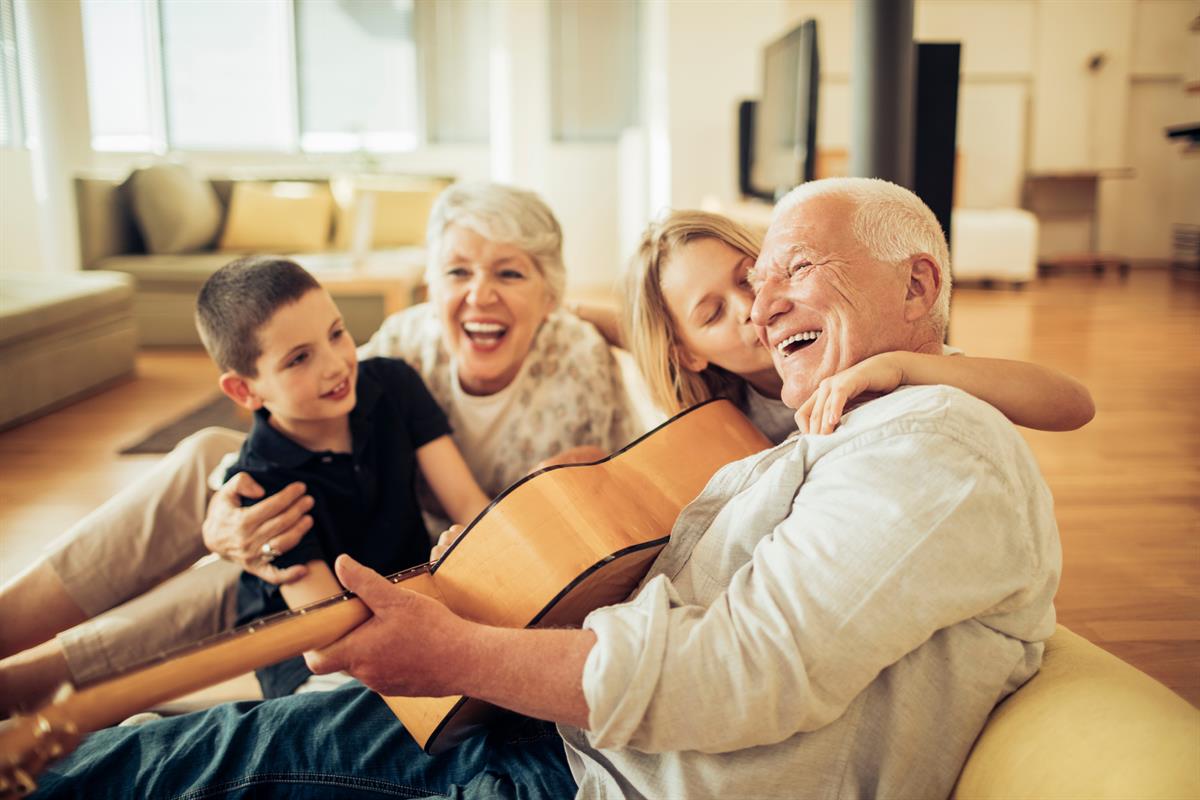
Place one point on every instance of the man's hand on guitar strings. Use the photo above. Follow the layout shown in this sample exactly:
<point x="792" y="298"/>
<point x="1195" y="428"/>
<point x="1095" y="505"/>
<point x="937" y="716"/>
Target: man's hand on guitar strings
<point x="406" y="649"/>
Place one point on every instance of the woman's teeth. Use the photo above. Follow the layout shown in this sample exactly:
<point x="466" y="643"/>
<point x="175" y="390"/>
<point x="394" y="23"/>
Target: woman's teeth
<point x="484" y="330"/>
<point x="800" y="340"/>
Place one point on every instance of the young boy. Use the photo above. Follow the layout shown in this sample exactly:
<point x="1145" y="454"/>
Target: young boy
<point x="354" y="434"/>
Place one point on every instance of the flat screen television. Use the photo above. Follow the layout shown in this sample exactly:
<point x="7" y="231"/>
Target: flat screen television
<point x="785" y="124"/>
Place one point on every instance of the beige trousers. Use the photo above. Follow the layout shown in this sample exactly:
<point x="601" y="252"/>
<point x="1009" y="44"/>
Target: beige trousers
<point x="137" y="566"/>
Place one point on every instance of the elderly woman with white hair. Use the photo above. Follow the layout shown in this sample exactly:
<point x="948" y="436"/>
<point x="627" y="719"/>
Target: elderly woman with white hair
<point x="523" y="382"/>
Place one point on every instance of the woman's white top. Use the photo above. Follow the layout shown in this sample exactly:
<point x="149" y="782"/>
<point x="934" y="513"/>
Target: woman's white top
<point x="567" y="393"/>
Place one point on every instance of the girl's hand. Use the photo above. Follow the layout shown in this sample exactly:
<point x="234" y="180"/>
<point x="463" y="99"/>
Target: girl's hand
<point x="448" y="537"/>
<point x="237" y="533"/>
<point x="822" y="411"/>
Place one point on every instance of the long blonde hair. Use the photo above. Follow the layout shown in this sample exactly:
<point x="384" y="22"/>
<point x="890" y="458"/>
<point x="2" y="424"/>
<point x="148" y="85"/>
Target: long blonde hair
<point x="648" y="326"/>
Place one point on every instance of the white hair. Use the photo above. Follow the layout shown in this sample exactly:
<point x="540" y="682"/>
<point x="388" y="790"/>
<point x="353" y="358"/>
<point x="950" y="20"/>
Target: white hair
<point x="891" y="222"/>
<point x="501" y="214"/>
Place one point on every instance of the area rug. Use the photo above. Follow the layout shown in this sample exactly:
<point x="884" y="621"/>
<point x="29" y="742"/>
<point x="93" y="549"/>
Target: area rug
<point x="217" y="411"/>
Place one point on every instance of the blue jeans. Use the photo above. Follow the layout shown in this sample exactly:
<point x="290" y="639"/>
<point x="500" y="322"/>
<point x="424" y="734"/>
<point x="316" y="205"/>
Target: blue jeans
<point x="344" y="743"/>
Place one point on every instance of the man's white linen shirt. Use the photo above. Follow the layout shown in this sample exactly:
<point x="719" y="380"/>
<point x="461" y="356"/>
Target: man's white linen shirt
<point x="834" y="617"/>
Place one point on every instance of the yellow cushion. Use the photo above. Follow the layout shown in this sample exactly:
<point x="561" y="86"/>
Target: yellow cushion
<point x="399" y="212"/>
<point x="280" y="217"/>
<point x="1088" y="725"/>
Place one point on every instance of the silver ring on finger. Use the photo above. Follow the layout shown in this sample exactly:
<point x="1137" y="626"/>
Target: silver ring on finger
<point x="269" y="553"/>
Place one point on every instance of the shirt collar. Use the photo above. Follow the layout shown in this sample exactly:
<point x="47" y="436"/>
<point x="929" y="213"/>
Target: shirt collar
<point x="276" y="448"/>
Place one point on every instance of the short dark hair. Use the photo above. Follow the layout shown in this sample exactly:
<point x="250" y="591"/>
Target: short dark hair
<point x="241" y="297"/>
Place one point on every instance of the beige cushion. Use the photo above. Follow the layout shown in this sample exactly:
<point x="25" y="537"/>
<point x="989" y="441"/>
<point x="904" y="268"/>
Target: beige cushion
<point x="175" y="211"/>
<point x="33" y="303"/>
<point x="106" y="224"/>
<point x="61" y="334"/>
<point x="399" y="211"/>
<point x="281" y="217"/>
<point x="1088" y="725"/>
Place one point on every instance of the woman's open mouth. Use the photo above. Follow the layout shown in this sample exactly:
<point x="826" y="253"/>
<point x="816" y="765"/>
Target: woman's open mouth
<point x="797" y="342"/>
<point x="486" y="335"/>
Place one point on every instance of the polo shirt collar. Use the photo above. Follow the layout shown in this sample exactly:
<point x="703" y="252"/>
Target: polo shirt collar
<point x="276" y="448"/>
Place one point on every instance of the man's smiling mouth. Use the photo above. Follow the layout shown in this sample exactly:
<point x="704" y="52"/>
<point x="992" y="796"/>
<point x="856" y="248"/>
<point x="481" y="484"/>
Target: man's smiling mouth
<point x="797" y="342"/>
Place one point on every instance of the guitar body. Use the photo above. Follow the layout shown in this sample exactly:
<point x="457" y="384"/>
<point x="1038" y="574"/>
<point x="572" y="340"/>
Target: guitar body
<point x="570" y="539"/>
<point x="550" y="549"/>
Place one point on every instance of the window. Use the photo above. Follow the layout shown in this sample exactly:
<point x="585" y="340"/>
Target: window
<point x="226" y="75"/>
<point x="357" y="69"/>
<point x="12" y="133"/>
<point x="455" y="38"/>
<point x="594" y="68"/>
<point x="121" y="55"/>
<point x="269" y="75"/>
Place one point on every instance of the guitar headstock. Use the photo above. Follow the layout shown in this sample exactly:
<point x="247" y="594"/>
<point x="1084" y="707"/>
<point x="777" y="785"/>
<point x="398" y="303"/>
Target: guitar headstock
<point x="27" y="744"/>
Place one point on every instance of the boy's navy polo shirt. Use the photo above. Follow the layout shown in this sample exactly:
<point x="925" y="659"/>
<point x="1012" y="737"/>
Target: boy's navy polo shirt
<point x="364" y="502"/>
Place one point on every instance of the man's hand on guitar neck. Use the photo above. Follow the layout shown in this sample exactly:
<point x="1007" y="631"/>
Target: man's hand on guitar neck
<point x="414" y="646"/>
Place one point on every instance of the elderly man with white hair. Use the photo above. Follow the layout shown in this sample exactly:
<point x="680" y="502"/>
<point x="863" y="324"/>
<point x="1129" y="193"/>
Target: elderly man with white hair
<point x="833" y="617"/>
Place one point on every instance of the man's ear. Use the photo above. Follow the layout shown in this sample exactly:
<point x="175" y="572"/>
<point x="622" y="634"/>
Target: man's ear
<point x="239" y="390"/>
<point x="924" y="283"/>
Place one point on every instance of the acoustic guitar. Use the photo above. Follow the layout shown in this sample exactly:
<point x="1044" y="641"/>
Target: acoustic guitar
<point x="552" y="547"/>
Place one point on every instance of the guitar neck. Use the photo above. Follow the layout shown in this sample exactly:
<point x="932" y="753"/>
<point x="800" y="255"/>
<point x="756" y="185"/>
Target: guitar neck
<point x="219" y="658"/>
<point x="549" y="549"/>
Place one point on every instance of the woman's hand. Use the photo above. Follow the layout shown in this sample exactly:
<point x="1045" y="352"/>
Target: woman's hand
<point x="583" y="454"/>
<point x="822" y="411"/>
<point x="237" y="533"/>
<point x="448" y="537"/>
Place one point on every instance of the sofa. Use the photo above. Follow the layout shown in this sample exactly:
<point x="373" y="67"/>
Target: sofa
<point x="169" y="229"/>
<point x="62" y="336"/>
<point x="1087" y="726"/>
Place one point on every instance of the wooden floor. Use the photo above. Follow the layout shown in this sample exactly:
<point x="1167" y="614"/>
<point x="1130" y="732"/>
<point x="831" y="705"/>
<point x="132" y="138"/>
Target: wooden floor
<point x="1127" y="486"/>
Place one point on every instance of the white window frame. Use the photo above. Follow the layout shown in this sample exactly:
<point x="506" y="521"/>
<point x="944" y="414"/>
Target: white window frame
<point x="158" y="141"/>
<point x="10" y="53"/>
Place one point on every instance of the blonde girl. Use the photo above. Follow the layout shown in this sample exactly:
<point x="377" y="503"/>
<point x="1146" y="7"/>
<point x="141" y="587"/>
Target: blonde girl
<point x="686" y="319"/>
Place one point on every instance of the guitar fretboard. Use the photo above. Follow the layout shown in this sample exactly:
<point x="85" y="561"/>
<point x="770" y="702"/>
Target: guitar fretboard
<point x="256" y="626"/>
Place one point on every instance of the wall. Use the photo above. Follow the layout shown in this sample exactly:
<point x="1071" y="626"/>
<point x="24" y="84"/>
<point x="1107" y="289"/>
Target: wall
<point x="1138" y="212"/>
<point x="1025" y="101"/>
<point x="38" y="226"/>
<point x="713" y="61"/>
<point x="20" y="245"/>
<point x="1028" y="102"/>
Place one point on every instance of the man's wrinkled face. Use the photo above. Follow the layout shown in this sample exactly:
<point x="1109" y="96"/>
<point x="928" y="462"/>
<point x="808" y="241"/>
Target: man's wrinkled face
<point x="823" y="303"/>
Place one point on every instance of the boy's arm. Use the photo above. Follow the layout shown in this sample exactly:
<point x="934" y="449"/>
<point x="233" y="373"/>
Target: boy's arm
<point x="317" y="584"/>
<point x="451" y="480"/>
<point x="1028" y="394"/>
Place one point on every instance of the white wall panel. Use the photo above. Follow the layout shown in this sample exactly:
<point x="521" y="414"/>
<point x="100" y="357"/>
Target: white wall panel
<point x="1080" y="114"/>
<point x="1139" y="211"/>
<point x="996" y="38"/>
<point x="1162" y="44"/>
<point x="991" y="144"/>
